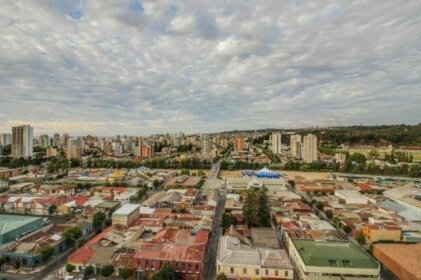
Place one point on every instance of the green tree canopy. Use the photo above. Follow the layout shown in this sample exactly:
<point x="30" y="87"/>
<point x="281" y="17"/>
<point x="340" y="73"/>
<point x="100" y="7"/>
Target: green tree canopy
<point x="69" y="268"/>
<point x="257" y="207"/>
<point x="73" y="233"/>
<point x="227" y="220"/>
<point x="98" y="219"/>
<point x="46" y="253"/>
<point x="125" y="272"/>
<point x="107" y="270"/>
<point x="89" y="271"/>
<point x="52" y="209"/>
<point x="165" y="273"/>
<point x="264" y="203"/>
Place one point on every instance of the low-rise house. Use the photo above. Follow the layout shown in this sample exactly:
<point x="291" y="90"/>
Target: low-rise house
<point x="183" y="250"/>
<point x="57" y="189"/>
<point x="27" y="250"/>
<point x="374" y="233"/>
<point x="241" y="261"/>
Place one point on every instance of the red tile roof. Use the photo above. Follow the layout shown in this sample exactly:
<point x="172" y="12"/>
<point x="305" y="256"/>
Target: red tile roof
<point x="161" y="212"/>
<point x="83" y="254"/>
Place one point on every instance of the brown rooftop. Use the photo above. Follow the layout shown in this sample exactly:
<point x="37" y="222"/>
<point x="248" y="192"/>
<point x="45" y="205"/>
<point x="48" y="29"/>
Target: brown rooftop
<point x="402" y="259"/>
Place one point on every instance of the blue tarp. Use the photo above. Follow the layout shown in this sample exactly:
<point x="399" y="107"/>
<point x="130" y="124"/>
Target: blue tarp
<point x="266" y="173"/>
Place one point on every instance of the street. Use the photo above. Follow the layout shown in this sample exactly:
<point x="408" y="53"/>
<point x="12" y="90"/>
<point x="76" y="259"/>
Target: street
<point x="209" y="266"/>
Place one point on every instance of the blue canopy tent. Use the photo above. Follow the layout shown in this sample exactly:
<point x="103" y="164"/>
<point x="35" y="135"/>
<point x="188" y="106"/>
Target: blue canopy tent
<point x="266" y="173"/>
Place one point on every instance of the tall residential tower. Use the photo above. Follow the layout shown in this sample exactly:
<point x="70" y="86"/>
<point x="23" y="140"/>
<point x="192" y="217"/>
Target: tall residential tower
<point x="309" y="148"/>
<point x="22" y="137"/>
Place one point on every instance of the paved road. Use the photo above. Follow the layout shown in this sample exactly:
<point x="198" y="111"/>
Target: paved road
<point x="213" y="174"/>
<point x="209" y="267"/>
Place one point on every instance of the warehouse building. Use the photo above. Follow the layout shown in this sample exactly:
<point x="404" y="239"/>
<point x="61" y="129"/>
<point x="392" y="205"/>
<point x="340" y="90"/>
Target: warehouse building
<point x="13" y="225"/>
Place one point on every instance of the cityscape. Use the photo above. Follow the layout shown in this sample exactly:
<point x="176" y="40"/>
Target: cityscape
<point x="210" y="140"/>
<point x="281" y="204"/>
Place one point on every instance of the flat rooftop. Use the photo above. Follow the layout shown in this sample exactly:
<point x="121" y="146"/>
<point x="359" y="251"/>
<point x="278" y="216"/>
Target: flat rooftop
<point x="402" y="259"/>
<point x="126" y="209"/>
<point x="108" y="204"/>
<point x="333" y="254"/>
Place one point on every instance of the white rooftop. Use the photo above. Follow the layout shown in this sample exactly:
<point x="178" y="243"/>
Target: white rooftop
<point x="127" y="209"/>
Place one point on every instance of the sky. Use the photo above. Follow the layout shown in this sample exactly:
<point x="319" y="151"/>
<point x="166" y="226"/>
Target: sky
<point x="138" y="67"/>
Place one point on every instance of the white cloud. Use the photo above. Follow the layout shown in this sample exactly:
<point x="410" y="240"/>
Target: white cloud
<point x="138" y="67"/>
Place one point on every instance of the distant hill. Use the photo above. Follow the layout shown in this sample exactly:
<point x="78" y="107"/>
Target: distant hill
<point x="378" y="135"/>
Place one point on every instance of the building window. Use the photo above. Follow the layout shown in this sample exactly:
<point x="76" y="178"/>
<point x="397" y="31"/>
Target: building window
<point x="244" y="270"/>
<point x="219" y="267"/>
<point x="286" y="273"/>
<point x="197" y="267"/>
<point x="267" y="272"/>
<point x="232" y="270"/>
<point x="333" y="263"/>
<point x="276" y="272"/>
<point x="146" y="263"/>
<point x="257" y="271"/>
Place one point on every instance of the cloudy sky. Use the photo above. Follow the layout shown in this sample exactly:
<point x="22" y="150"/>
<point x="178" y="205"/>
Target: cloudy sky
<point x="137" y="67"/>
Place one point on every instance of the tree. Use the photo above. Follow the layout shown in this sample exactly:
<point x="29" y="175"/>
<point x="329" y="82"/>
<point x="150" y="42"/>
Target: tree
<point x="156" y="184"/>
<point x="329" y="214"/>
<point x="221" y="276"/>
<point x="46" y="253"/>
<point x="200" y="173"/>
<point x="358" y="158"/>
<point x="108" y="222"/>
<point x="52" y="209"/>
<point x="257" y="207"/>
<point x="361" y="239"/>
<point x="107" y="270"/>
<point x="165" y="273"/>
<point x="347" y="229"/>
<point x="250" y="207"/>
<point x="336" y="221"/>
<point x="98" y="219"/>
<point x="133" y="199"/>
<point x="263" y="213"/>
<point x="319" y="205"/>
<point x="73" y="233"/>
<point x="125" y="273"/>
<point x="227" y="220"/>
<point x="69" y="268"/>
<point x="89" y="271"/>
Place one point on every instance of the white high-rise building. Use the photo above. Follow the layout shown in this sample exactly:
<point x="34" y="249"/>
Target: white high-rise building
<point x="22" y="141"/>
<point x="295" y="145"/>
<point x="276" y="143"/>
<point x="309" y="149"/>
<point x="5" y="139"/>
<point x="117" y="148"/>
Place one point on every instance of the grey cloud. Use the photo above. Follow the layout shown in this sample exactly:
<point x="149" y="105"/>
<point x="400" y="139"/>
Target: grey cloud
<point x="139" y="67"/>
